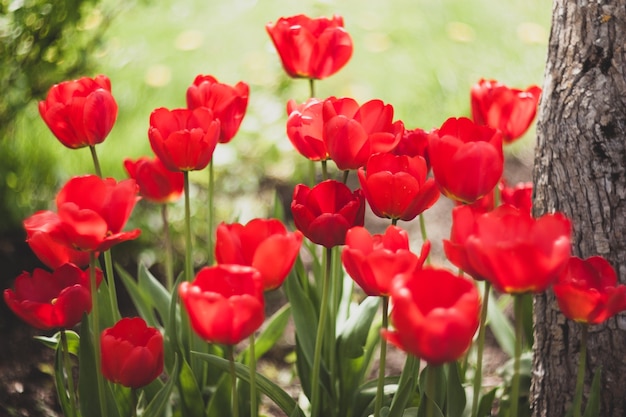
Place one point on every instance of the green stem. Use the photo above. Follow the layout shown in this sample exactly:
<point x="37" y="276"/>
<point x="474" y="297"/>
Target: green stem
<point x="312" y="87"/>
<point x="95" y="311"/>
<point x="108" y="266"/>
<point x="480" y="348"/>
<point x="96" y="162"/>
<point x="319" y="339"/>
<point x="211" y="220"/>
<point x="233" y="376"/>
<point x="346" y="174"/>
<point x="519" y="333"/>
<point x="68" y="373"/>
<point x="383" y="360"/>
<point x="580" y="379"/>
<point x="188" y="248"/>
<point x="431" y="388"/>
<point x="254" y="408"/>
<point x="169" y="252"/>
<point x="133" y="402"/>
<point x="324" y="170"/>
<point x="424" y="234"/>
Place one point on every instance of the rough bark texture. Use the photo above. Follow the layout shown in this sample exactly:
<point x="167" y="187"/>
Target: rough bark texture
<point x="580" y="169"/>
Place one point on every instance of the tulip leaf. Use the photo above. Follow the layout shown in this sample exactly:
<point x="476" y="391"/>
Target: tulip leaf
<point x="73" y="341"/>
<point x="190" y="392"/>
<point x="88" y="373"/>
<point x="141" y="299"/>
<point x="486" y="403"/>
<point x="456" y="400"/>
<point x="593" y="402"/>
<point x="162" y="397"/>
<point x="156" y="292"/>
<point x="303" y="311"/>
<point x="501" y="327"/>
<point x="267" y="387"/>
<point x="62" y="392"/>
<point x="220" y="398"/>
<point x="365" y="397"/>
<point x="270" y="335"/>
<point x="353" y="336"/>
<point x="407" y="386"/>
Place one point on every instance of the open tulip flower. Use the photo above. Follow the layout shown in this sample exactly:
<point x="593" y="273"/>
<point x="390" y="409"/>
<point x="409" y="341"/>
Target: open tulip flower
<point x="414" y="142"/>
<point x="80" y="112"/>
<point x="510" y="110"/>
<point x="224" y="302"/>
<point x="49" y="251"/>
<point x="263" y="244"/>
<point x="325" y="212"/>
<point x="227" y="102"/>
<point x="517" y="253"/>
<point x="435" y="314"/>
<point x="396" y="186"/>
<point x="54" y="300"/>
<point x="183" y="139"/>
<point x="132" y="353"/>
<point x="305" y="129"/>
<point x="312" y="48"/>
<point x="353" y="133"/>
<point x="156" y="183"/>
<point x="373" y="261"/>
<point x="466" y="159"/>
<point x="92" y="212"/>
<point x="588" y="292"/>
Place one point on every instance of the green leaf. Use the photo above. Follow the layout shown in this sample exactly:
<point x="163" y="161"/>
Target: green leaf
<point x="220" y="399"/>
<point x="62" y="393"/>
<point x="272" y="332"/>
<point x="501" y="326"/>
<point x="87" y="373"/>
<point x="162" y="397"/>
<point x="267" y="387"/>
<point x="455" y="401"/>
<point x="73" y="341"/>
<point x="141" y="299"/>
<point x="190" y="392"/>
<point x="486" y="403"/>
<point x="406" y="386"/>
<point x="353" y="336"/>
<point x="304" y="316"/>
<point x="160" y="297"/>
<point x="593" y="402"/>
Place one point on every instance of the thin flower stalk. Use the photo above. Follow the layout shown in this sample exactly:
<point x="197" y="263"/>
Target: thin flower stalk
<point x="480" y="346"/>
<point x="580" y="378"/>
<point x="519" y="333"/>
<point x="378" y="405"/>
<point x="95" y="316"/>
<point x="68" y="374"/>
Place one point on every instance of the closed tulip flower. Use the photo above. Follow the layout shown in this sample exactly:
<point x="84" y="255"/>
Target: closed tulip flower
<point x="80" y="112"/>
<point x="587" y="291"/>
<point x="517" y="253"/>
<point x="184" y="140"/>
<point x="353" y="133"/>
<point x="132" y="353"/>
<point x="466" y="159"/>
<point x="325" y="212"/>
<point x="435" y="314"/>
<point x="373" y="261"/>
<point x="54" y="300"/>
<point x="156" y="183"/>
<point x="510" y="110"/>
<point x="263" y="244"/>
<point x="224" y="302"/>
<point x="305" y="129"/>
<point x="93" y="211"/>
<point x="396" y="186"/>
<point x="227" y="102"/>
<point x="463" y="226"/>
<point x="311" y="47"/>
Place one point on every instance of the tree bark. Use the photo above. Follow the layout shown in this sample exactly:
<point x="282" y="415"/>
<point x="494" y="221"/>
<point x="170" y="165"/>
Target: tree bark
<point x="580" y="170"/>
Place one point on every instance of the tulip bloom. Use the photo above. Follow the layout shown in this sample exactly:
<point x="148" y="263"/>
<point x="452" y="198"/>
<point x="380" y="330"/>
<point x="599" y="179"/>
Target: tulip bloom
<point x="519" y="195"/>
<point x="156" y="183"/>
<point x="509" y="110"/>
<point x="325" y="212"/>
<point x="81" y="112"/>
<point x="353" y="133"/>
<point x="54" y="300"/>
<point x="132" y="353"/>
<point x="305" y="129"/>
<point x="463" y="226"/>
<point x="228" y="103"/>
<point x="466" y="159"/>
<point x="396" y="186"/>
<point x="374" y="261"/>
<point x="311" y="47"/>
<point x="435" y="314"/>
<point x="184" y="140"/>
<point x="414" y="142"/>
<point x="588" y="292"/>
<point x="53" y="254"/>
<point x="263" y="244"/>
<point x="518" y="253"/>
<point x="93" y="211"/>
<point x="224" y="302"/>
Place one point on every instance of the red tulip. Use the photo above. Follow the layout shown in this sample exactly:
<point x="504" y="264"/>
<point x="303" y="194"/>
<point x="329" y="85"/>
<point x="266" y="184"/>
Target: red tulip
<point x="132" y="353"/>
<point x="52" y="300"/>
<point x="466" y="159"/>
<point x="228" y="103"/>
<point x="92" y="213"/>
<point x="353" y="133"/>
<point x="325" y="212"/>
<point x="414" y="142"/>
<point x="435" y="314"/>
<point x="588" y="292"/>
<point x="53" y="254"/>
<point x="520" y="195"/>
<point x="374" y="261"/>
<point x="263" y="244"/>
<point x="81" y="112"/>
<point x="509" y="110"/>
<point x="184" y="140"/>
<point x="463" y="226"/>
<point x="156" y="183"/>
<point x="224" y="302"/>
<point x="305" y="129"/>
<point x="396" y="186"/>
<point x="311" y="47"/>
<point x="517" y="253"/>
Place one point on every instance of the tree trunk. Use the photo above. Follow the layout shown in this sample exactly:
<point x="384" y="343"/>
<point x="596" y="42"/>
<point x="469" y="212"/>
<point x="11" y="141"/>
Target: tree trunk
<point x="580" y="169"/>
